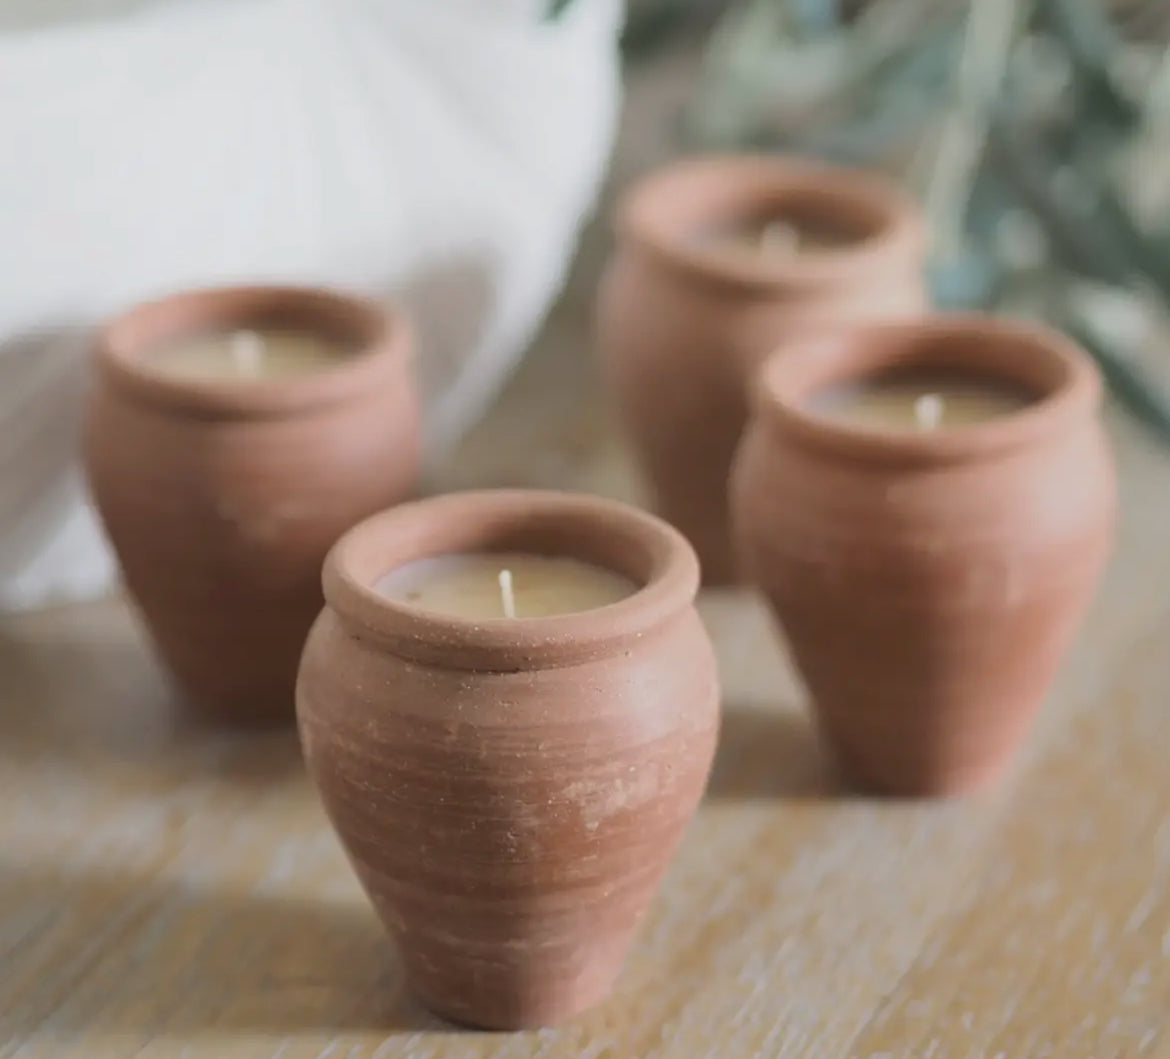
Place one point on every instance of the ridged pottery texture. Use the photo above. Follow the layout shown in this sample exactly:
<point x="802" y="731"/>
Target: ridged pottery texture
<point x="929" y="584"/>
<point x="510" y="792"/>
<point x="223" y="498"/>
<point x="682" y="327"/>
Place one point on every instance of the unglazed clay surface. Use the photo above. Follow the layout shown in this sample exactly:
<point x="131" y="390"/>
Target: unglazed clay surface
<point x="222" y="498"/>
<point x="682" y="326"/>
<point x="928" y="585"/>
<point x="511" y="792"/>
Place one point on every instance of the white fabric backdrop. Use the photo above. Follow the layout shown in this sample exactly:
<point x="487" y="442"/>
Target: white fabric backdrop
<point x="444" y="151"/>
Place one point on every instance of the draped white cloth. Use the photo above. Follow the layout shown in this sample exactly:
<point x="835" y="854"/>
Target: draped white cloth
<point x="441" y="151"/>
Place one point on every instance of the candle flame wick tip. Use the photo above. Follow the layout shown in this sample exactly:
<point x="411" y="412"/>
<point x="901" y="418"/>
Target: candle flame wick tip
<point x="928" y="411"/>
<point x="507" y="593"/>
<point x="247" y="349"/>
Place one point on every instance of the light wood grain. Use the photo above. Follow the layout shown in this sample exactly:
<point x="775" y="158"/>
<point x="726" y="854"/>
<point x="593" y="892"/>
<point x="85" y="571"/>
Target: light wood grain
<point x="167" y="891"/>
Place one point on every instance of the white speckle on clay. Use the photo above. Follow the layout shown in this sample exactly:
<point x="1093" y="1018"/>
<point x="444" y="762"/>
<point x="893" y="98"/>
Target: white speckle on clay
<point x="599" y="800"/>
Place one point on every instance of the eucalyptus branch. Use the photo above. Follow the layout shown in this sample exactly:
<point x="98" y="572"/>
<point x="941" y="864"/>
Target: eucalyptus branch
<point x="987" y="45"/>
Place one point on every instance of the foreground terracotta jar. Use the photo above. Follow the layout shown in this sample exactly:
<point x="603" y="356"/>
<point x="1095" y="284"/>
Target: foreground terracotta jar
<point x="510" y="791"/>
<point x="685" y="315"/>
<point x="222" y="496"/>
<point x="929" y="583"/>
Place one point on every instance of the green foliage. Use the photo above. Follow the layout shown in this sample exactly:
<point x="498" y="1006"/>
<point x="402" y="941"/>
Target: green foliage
<point x="1034" y="131"/>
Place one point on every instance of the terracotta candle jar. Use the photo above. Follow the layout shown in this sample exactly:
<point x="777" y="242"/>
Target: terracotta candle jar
<point x="233" y="436"/>
<point x="510" y="790"/>
<point x="929" y="578"/>
<point x="720" y="260"/>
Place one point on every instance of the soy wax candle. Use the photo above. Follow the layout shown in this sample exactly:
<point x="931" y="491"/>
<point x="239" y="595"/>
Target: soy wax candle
<point x="245" y="355"/>
<point x="779" y="238"/>
<point x="919" y="402"/>
<point x="505" y="585"/>
<point x="510" y="786"/>
<point x="233" y="435"/>
<point x="929" y="578"/>
<point x="720" y="260"/>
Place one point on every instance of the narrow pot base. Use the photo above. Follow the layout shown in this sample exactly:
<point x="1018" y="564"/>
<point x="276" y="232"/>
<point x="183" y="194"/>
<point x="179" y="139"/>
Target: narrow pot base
<point x="497" y="1010"/>
<point x="898" y="781"/>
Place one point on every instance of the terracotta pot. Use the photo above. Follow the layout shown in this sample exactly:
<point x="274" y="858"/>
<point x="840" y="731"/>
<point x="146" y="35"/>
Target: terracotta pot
<point x="682" y="326"/>
<point x="222" y="498"/>
<point x="929" y="584"/>
<point x="510" y="792"/>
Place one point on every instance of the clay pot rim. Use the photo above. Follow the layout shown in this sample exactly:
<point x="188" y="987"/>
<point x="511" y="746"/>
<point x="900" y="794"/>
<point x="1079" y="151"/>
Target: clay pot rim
<point x="640" y="545"/>
<point x="1031" y="356"/>
<point x="380" y="334"/>
<point x="651" y="216"/>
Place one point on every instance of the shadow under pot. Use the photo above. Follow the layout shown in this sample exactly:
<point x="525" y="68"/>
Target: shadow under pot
<point x="233" y="436"/>
<point x="928" y="508"/>
<point x="719" y="261"/>
<point x="509" y="707"/>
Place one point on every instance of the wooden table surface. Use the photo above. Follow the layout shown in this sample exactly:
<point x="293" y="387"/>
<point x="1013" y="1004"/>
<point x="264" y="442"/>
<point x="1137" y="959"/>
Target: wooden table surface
<point x="166" y="890"/>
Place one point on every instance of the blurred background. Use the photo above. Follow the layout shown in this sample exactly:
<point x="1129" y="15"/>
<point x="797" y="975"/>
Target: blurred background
<point x="1034" y="134"/>
<point x="460" y="156"/>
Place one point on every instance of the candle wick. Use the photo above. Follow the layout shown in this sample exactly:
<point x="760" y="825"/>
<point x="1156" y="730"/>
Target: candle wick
<point x="247" y="349"/>
<point x="928" y="411"/>
<point x="507" y="593"/>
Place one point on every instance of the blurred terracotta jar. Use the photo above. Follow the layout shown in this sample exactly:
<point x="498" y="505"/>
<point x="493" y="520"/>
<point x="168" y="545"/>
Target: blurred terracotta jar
<point x="719" y="261"/>
<point x="510" y="789"/>
<point x="233" y="436"/>
<point x="928" y="508"/>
